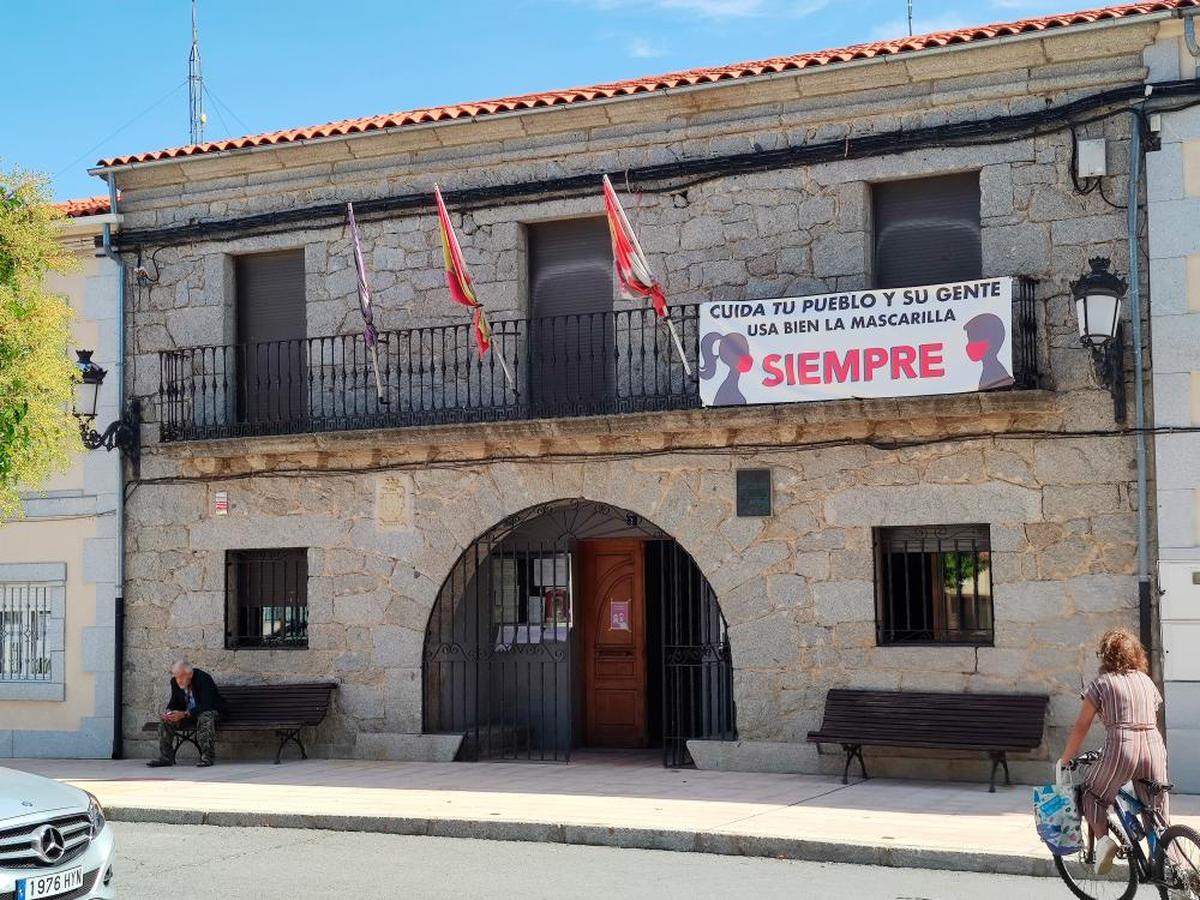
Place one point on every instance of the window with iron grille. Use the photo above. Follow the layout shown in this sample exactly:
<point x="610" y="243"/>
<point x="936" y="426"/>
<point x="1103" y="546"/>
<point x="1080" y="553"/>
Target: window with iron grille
<point x="26" y="610"/>
<point x="933" y="585"/>
<point x="266" y="598"/>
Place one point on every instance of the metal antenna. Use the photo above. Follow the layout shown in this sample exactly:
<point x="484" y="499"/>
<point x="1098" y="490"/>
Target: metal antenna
<point x="910" y="3"/>
<point x="196" y="85"/>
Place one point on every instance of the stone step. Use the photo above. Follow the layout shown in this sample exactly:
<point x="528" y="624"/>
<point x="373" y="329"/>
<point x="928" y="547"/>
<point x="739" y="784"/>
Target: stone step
<point x="405" y="747"/>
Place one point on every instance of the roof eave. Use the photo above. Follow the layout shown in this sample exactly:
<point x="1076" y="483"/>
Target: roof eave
<point x="94" y="224"/>
<point x="1141" y="19"/>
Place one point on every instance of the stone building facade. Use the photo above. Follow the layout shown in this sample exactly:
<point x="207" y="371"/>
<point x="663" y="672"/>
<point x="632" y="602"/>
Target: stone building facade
<point x="385" y="515"/>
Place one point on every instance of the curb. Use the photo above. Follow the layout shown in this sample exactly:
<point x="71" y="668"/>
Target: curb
<point x="721" y="843"/>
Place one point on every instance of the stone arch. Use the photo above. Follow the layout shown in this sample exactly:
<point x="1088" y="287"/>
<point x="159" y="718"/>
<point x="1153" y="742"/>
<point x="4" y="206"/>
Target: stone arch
<point x="502" y="642"/>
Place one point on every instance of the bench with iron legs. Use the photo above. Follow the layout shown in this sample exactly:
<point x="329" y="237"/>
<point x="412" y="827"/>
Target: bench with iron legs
<point x="284" y="709"/>
<point x="997" y="724"/>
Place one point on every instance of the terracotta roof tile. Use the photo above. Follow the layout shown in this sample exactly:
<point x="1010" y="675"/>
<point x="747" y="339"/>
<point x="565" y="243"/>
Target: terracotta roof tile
<point x="84" y="206"/>
<point x="654" y="83"/>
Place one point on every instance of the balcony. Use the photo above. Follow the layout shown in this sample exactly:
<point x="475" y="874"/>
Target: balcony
<point x="587" y="364"/>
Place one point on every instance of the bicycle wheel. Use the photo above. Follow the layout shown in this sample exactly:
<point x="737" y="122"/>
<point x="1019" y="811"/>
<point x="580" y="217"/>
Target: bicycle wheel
<point x="1076" y="870"/>
<point x="1181" y="863"/>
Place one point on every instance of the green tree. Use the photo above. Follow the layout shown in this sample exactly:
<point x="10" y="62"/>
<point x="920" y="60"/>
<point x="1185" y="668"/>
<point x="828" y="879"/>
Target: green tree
<point x="37" y="431"/>
<point x="960" y="567"/>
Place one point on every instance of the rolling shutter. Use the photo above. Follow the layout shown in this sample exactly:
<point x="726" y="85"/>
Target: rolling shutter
<point x="571" y="294"/>
<point x="927" y="231"/>
<point x="270" y="296"/>
<point x="271" y="326"/>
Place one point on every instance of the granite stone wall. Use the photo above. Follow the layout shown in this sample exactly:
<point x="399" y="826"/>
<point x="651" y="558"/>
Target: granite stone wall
<point x="796" y="588"/>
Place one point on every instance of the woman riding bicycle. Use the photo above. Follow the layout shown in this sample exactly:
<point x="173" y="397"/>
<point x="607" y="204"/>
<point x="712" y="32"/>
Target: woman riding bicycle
<point x="1127" y="702"/>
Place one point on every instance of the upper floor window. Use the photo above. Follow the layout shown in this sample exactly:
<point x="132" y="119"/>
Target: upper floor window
<point x="927" y="230"/>
<point x="572" y="335"/>
<point x="271" y="331"/>
<point x="266" y="598"/>
<point x="933" y="584"/>
<point x="270" y="296"/>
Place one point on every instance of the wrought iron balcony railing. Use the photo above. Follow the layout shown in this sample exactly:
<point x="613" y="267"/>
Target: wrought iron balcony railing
<point x="585" y="364"/>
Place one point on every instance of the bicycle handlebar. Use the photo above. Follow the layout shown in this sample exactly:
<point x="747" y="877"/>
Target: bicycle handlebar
<point x="1084" y="759"/>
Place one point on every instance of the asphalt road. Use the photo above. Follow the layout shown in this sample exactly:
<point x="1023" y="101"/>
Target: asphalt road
<point x="191" y="862"/>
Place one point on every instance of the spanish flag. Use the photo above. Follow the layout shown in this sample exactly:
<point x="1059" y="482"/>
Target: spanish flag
<point x="461" y="289"/>
<point x="458" y="279"/>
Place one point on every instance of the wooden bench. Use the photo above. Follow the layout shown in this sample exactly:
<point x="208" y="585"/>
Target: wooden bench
<point x="282" y="708"/>
<point x="995" y="723"/>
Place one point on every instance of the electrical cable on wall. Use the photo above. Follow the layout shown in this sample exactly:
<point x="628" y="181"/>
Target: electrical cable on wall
<point x="742" y="449"/>
<point x="678" y="175"/>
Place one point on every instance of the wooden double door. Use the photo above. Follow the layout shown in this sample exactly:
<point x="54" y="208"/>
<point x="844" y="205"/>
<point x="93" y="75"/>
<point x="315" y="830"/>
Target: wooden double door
<point x="613" y="592"/>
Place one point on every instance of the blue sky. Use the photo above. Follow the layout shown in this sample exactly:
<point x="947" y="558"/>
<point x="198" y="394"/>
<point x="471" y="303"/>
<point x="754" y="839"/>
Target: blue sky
<point x="273" y="64"/>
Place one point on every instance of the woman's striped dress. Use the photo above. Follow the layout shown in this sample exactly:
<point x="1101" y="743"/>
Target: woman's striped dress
<point x="1128" y="705"/>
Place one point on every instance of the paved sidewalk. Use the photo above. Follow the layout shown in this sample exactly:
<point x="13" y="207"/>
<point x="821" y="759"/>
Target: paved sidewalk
<point x="597" y="799"/>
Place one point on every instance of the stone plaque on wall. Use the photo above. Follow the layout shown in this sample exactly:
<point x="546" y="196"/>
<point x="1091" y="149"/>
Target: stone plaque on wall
<point x="393" y="502"/>
<point x="753" y="492"/>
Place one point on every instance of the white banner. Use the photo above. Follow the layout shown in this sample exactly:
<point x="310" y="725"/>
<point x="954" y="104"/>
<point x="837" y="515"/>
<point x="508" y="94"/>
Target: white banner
<point x="893" y="342"/>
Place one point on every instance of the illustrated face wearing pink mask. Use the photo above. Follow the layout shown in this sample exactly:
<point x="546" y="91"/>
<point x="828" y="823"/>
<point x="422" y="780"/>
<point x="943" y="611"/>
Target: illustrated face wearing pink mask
<point x="734" y="351"/>
<point x="985" y="338"/>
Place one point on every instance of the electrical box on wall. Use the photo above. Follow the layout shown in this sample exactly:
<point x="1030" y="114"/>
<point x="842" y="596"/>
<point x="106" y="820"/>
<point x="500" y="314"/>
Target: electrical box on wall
<point x="1091" y="158"/>
<point x="1179" y="607"/>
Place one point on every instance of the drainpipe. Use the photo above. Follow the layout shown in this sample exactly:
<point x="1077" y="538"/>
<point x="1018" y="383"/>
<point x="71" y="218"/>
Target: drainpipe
<point x="1145" y="607"/>
<point x="119" y="598"/>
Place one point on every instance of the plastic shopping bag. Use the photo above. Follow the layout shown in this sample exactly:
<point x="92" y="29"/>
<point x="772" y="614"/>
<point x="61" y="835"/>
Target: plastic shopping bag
<point x="1056" y="812"/>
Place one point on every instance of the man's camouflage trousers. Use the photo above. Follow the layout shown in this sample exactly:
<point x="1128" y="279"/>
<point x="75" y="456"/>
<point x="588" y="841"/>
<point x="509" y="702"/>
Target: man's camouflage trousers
<point x="205" y="735"/>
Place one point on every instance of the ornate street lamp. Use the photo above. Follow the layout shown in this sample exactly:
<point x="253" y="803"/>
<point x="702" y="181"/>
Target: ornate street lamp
<point x="122" y="435"/>
<point x="1098" y="295"/>
<point x="87" y="391"/>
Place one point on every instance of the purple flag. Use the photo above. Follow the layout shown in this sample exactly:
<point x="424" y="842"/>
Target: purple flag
<point x="370" y="335"/>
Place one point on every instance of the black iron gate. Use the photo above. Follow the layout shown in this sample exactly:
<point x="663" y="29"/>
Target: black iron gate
<point x="501" y="646"/>
<point x="697" y="666"/>
<point x="498" y="647"/>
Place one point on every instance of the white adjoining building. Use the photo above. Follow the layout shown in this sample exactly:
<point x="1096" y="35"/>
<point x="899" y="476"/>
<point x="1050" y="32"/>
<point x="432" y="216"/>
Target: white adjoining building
<point x="1173" y="202"/>
<point x="58" y="564"/>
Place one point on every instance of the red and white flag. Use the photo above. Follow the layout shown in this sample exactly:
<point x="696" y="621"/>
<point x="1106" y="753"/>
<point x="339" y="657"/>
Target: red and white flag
<point x="636" y="279"/>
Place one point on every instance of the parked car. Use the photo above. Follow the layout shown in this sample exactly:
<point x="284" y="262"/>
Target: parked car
<point x="54" y="842"/>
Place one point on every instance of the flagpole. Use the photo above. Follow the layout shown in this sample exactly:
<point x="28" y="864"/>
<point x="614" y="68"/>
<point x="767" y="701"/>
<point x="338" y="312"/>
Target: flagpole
<point x="504" y="365"/>
<point x="379" y="381"/>
<point x="679" y="346"/>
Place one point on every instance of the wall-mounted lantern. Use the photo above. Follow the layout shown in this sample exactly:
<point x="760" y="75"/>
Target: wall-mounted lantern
<point x="122" y="435"/>
<point x="1098" y="295"/>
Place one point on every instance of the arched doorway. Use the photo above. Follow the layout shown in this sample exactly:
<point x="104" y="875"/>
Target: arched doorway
<point x="577" y="624"/>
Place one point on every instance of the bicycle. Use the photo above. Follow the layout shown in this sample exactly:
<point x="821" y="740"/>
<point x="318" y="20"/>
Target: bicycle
<point x="1170" y="860"/>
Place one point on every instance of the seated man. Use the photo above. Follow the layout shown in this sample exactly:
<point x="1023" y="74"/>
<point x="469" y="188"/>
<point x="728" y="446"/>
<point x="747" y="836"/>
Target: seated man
<point x="195" y="704"/>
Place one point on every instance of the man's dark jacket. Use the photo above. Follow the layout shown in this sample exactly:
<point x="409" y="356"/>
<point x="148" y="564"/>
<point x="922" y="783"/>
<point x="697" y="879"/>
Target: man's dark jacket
<point x="204" y="689"/>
